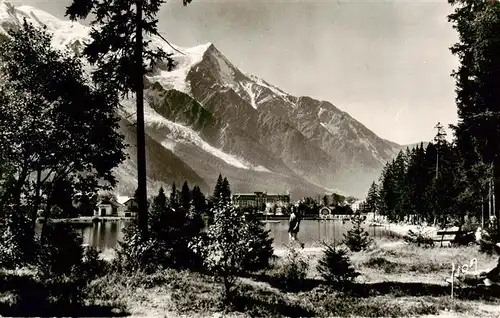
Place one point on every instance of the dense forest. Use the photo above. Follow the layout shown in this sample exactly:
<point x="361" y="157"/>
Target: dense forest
<point x="433" y="184"/>
<point x="448" y="182"/>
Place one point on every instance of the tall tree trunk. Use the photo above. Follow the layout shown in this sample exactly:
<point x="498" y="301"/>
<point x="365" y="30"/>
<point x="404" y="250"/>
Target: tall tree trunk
<point x="36" y="204"/>
<point x="141" y="140"/>
<point x="482" y="213"/>
<point x="496" y="187"/>
<point x="489" y="200"/>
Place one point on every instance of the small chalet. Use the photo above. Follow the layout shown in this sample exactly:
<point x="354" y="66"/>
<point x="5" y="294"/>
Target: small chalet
<point x="128" y="206"/>
<point x="121" y="207"/>
<point x="107" y="207"/>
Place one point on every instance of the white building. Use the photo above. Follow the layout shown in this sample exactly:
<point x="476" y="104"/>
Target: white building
<point x="121" y="207"/>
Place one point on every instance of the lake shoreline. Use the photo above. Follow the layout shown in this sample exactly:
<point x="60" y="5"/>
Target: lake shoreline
<point x="87" y="219"/>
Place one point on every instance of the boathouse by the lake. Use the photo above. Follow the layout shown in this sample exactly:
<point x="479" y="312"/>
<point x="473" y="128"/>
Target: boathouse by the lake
<point x="121" y="206"/>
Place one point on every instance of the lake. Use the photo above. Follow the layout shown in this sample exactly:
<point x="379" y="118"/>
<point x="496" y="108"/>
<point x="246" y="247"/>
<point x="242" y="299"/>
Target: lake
<point x="105" y="235"/>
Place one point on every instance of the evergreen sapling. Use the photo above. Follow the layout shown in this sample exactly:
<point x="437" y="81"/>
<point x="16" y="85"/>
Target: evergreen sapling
<point x="357" y="238"/>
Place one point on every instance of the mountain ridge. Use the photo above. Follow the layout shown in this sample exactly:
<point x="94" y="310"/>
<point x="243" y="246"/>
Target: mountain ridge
<point x="261" y="137"/>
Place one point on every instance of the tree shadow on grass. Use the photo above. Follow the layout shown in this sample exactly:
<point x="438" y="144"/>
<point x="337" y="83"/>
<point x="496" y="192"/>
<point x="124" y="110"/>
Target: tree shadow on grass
<point x="304" y="285"/>
<point x="25" y="296"/>
<point x="54" y="310"/>
<point x="401" y="289"/>
<point x="396" y="289"/>
<point x="261" y="303"/>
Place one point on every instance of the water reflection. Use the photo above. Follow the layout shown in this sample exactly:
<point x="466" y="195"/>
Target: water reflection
<point x="105" y="235"/>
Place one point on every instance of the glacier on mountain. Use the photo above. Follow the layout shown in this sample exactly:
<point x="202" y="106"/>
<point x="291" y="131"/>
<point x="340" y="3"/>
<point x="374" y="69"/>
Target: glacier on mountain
<point x="247" y="123"/>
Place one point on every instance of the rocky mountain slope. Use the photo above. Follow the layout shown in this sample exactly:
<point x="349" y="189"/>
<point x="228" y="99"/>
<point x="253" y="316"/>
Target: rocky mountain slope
<point x="208" y="117"/>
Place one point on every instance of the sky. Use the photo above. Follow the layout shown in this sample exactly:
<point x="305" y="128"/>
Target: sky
<point x="386" y="63"/>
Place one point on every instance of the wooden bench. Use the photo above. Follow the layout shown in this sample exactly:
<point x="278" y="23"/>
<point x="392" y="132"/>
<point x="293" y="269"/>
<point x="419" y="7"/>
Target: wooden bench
<point x="456" y="234"/>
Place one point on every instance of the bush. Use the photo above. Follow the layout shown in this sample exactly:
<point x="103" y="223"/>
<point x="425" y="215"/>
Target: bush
<point x="17" y="245"/>
<point x="357" y="238"/>
<point x="419" y="238"/>
<point x="171" y="235"/>
<point x="292" y="270"/>
<point x="65" y="266"/>
<point x="335" y="266"/>
<point x="134" y="254"/>
<point x="60" y="249"/>
<point x="225" y="245"/>
<point x="491" y="236"/>
<point x="385" y="265"/>
<point x="260" y="246"/>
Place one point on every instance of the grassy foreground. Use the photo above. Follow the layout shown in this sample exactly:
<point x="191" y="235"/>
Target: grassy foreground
<point x="397" y="280"/>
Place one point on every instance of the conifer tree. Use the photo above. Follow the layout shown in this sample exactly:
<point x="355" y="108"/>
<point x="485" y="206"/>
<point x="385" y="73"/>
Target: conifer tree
<point x="372" y="198"/>
<point x="173" y="197"/>
<point x="260" y="245"/>
<point x="335" y="267"/>
<point x="218" y="188"/>
<point x="226" y="190"/>
<point x="357" y="238"/>
<point x="185" y="196"/>
<point x="199" y="200"/>
<point x="388" y="195"/>
<point x="123" y="55"/>
<point x="478" y="99"/>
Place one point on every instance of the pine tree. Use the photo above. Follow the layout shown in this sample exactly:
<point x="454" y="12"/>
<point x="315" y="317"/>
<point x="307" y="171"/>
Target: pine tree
<point x="218" y="189"/>
<point x="226" y="190"/>
<point x="185" y="198"/>
<point x="372" y="198"/>
<point x="260" y="245"/>
<point x="430" y="176"/>
<point x="199" y="201"/>
<point x="357" y="238"/>
<point x="478" y="99"/>
<point x="118" y="29"/>
<point x="335" y="266"/>
<point x="387" y="192"/>
<point x="173" y="197"/>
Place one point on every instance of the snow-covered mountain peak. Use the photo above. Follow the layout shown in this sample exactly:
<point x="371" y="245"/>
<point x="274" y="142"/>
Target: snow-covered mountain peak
<point x="65" y="33"/>
<point x="211" y="114"/>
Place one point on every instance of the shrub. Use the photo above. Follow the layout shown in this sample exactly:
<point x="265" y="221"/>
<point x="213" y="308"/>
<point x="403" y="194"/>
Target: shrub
<point x="65" y="266"/>
<point x="357" y="238"/>
<point x="134" y="254"/>
<point x="335" y="266"/>
<point x="419" y="238"/>
<point x="225" y="245"/>
<point x="60" y="249"/>
<point x="491" y="236"/>
<point x="171" y="234"/>
<point x="292" y="270"/>
<point x="260" y="246"/>
<point x="384" y="264"/>
<point x="17" y="246"/>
